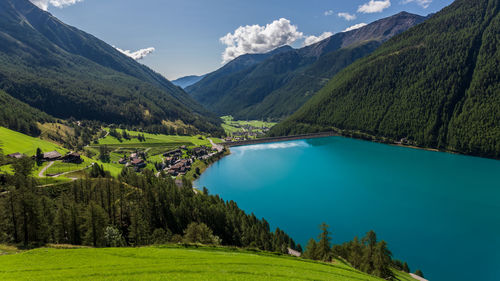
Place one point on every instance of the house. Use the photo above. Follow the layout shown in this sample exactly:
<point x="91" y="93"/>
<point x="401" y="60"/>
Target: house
<point x="133" y="156"/>
<point x="72" y="157"/>
<point x="16" y="155"/>
<point x="183" y="147"/>
<point x="200" y="151"/>
<point x="51" y="156"/>
<point x="139" y="163"/>
<point x="176" y="152"/>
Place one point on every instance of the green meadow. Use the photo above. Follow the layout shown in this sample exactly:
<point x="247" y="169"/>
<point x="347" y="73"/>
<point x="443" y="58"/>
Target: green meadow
<point x="169" y="263"/>
<point x="231" y="126"/>
<point x="12" y="142"/>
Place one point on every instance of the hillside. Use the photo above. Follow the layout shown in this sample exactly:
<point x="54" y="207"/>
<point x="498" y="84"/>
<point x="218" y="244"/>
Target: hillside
<point x="19" y="116"/>
<point x="436" y="85"/>
<point x="172" y="263"/>
<point x="207" y="91"/>
<point x="66" y="73"/>
<point x="280" y="84"/>
<point x="187" y="81"/>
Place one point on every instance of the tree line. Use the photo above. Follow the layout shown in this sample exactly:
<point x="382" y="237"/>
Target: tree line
<point x="133" y="210"/>
<point x="366" y="254"/>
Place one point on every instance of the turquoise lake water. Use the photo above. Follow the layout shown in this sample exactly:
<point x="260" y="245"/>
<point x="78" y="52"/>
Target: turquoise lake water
<point x="439" y="212"/>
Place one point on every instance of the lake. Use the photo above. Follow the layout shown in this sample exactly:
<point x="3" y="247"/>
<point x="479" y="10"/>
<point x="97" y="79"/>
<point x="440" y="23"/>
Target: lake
<point x="440" y="212"/>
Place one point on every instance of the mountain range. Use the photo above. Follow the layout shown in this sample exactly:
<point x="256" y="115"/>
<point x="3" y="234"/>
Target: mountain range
<point x="436" y="85"/>
<point x="67" y="73"/>
<point x="274" y="85"/>
<point x="187" y="81"/>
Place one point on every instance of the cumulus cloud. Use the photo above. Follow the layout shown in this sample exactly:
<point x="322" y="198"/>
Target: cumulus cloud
<point x="347" y="16"/>
<point x="315" y="39"/>
<point x="328" y="13"/>
<point x="354" y="27"/>
<point x="423" y="3"/>
<point x="374" y="6"/>
<point x="253" y="39"/>
<point x="137" y="55"/>
<point x="44" y="4"/>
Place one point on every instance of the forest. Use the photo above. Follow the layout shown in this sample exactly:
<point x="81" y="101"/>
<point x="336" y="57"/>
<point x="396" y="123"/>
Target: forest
<point x="435" y="85"/>
<point x="133" y="210"/>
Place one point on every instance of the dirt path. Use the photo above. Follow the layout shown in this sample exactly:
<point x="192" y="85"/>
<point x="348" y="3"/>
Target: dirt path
<point x="216" y="146"/>
<point x="42" y="172"/>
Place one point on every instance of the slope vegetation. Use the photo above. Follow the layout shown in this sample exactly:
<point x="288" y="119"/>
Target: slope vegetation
<point x="160" y="263"/>
<point x="67" y="73"/>
<point x="437" y="85"/>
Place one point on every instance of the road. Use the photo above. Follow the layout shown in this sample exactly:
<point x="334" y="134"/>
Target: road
<point x="42" y="172"/>
<point x="216" y="146"/>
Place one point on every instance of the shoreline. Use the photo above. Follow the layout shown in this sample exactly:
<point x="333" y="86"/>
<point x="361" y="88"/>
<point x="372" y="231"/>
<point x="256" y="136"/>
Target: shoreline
<point x="360" y="136"/>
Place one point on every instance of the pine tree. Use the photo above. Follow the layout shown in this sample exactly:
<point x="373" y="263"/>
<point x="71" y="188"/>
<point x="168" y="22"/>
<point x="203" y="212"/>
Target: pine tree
<point x="311" y="250"/>
<point x="324" y="247"/>
<point x="406" y="268"/>
<point x="95" y="224"/>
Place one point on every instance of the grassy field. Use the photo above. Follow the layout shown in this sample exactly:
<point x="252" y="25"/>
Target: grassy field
<point x="158" y="139"/>
<point x="13" y="142"/>
<point x="168" y="263"/>
<point x="231" y="126"/>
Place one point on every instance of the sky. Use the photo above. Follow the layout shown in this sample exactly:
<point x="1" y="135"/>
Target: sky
<point x="193" y="37"/>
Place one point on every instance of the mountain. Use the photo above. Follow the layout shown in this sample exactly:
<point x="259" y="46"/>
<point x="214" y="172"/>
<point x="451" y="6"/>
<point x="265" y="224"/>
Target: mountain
<point x="187" y="81"/>
<point x="207" y="91"/>
<point x="280" y="83"/>
<point x="66" y="73"/>
<point x="438" y="85"/>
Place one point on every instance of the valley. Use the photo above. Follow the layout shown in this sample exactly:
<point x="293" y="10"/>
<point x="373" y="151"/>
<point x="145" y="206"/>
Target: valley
<point x="355" y="140"/>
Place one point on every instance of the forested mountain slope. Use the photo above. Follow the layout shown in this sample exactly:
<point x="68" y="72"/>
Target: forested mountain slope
<point x="280" y="84"/>
<point x="437" y="85"/>
<point x="187" y="81"/>
<point x="68" y="73"/>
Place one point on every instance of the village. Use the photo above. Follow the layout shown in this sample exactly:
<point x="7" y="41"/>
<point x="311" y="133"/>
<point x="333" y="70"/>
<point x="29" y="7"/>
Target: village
<point x="175" y="162"/>
<point x="246" y="132"/>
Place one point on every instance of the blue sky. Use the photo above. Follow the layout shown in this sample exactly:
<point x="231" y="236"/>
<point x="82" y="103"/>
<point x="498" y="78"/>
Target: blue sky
<point x="186" y="33"/>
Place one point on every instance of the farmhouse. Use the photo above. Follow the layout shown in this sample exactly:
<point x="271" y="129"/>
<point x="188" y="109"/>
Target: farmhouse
<point x="72" y="157"/>
<point x="139" y="163"/>
<point x="51" y="156"/>
<point x="176" y="152"/>
<point x="16" y="155"/>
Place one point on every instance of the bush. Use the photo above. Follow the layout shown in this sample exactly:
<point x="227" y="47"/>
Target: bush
<point x="160" y="236"/>
<point x="200" y="233"/>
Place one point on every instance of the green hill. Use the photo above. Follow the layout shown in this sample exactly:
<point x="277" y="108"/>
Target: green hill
<point x="286" y="78"/>
<point x="66" y="73"/>
<point x="437" y="85"/>
<point x="170" y="263"/>
<point x="12" y="142"/>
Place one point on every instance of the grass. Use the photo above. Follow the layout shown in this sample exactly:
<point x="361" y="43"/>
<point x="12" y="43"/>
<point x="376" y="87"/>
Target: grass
<point x="168" y="263"/>
<point x="231" y="126"/>
<point x="12" y="142"/>
<point x="158" y="139"/>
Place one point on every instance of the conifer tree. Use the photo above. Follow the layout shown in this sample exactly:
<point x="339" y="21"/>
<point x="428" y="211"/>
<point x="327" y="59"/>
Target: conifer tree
<point x="95" y="224"/>
<point x="324" y="247"/>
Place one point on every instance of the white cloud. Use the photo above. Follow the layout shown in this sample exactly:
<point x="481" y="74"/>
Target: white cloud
<point x="354" y="27"/>
<point x="328" y="13"/>
<point x="347" y="16"/>
<point x="252" y="39"/>
<point x="374" y="6"/>
<point x="315" y="39"/>
<point x="137" y="55"/>
<point x="44" y="4"/>
<point x="423" y="3"/>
